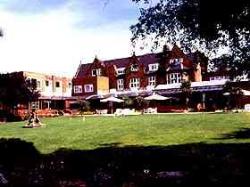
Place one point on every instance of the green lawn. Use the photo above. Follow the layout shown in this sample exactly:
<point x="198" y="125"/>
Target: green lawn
<point x="146" y="130"/>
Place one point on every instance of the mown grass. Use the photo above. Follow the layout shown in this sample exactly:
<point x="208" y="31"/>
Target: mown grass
<point x="145" y="130"/>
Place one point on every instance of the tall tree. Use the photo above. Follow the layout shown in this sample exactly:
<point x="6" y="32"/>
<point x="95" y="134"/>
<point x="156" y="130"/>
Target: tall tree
<point x="14" y="90"/>
<point x="186" y="91"/>
<point x="203" y="24"/>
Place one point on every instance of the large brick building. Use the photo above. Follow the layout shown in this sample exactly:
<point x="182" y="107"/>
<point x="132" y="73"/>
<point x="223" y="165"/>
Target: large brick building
<point x="156" y="72"/>
<point x="138" y="72"/>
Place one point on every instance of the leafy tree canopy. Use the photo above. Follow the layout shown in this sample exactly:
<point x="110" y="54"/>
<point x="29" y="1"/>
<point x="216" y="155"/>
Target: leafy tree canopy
<point x="14" y="89"/>
<point x="199" y="24"/>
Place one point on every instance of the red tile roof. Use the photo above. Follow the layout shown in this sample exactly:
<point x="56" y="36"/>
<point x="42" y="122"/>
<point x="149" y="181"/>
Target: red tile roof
<point x="151" y="58"/>
<point x="119" y="63"/>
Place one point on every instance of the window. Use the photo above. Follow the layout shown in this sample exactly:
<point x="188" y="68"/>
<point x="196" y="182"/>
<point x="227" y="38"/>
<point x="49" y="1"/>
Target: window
<point x="88" y="88"/>
<point x="134" y="67"/>
<point x="134" y="83"/>
<point x="176" y="61"/>
<point x="38" y="84"/>
<point x="69" y="85"/>
<point x="121" y="71"/>
<point x="153" y="67"/>
<point x="173" y="78"/>
<point x="120" y="84"/>
<point x="78" y="89"/>
<point x="96" y="72"/>
<point x="57" y="84"/>
<point x="47" y="83"/>
<point x="152" y="81"/>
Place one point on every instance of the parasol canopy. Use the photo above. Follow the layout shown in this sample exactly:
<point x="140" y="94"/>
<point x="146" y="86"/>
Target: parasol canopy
<point x="246" y="92"/>
<point x="112" y="99"/>
<point x="156" y="97"/>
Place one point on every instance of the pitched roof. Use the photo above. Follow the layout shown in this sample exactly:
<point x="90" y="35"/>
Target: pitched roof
<point x="119" y="63"/>
<point x="146" y="59"/>
<point x="123" y="62"/>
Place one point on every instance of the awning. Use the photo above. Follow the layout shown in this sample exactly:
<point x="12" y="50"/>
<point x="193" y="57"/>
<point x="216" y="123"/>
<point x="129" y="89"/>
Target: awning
<point x="112" y="99"/>
<point x="156" y="97"/>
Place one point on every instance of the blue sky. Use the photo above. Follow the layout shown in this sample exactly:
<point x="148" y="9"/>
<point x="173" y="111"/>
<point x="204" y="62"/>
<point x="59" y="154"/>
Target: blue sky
<point x="53" y="36"/>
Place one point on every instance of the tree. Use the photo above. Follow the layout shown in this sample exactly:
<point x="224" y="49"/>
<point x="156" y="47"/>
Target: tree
<point x="187" y="91"/>
<point x="128" y="102"/>
<point x="234" y="94"/>
<point x="14" y="90"/>
<point x="84" y="106"/>
<point x="140" y="103"/>
<point x="202" y="24"/>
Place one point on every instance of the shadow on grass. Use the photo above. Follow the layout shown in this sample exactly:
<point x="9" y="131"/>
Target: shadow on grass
<point x="181" y="165"/>
<point x="243" y="133"/>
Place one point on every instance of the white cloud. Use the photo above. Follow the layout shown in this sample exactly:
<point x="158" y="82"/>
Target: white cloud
<point x="50" y="42"/>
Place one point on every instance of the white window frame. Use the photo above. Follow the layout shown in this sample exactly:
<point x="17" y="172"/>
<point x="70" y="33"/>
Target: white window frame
<point x="152" y="81"/>
<point x="132" y="68"/>
<point x="153" y="67"/>
<point x="174" y="60"/>
<point x="77" y="89"/>
<point x="88" y="88"/>
<point x="134" y="83"/>
<point x="96" y="72"/>
<point x="120" y="84"/>
<point x="120" y="71"/>
<point x="173" y="78"/>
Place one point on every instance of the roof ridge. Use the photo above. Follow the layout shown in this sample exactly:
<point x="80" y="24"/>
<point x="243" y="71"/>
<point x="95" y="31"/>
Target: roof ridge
<point x="130" y="57"/>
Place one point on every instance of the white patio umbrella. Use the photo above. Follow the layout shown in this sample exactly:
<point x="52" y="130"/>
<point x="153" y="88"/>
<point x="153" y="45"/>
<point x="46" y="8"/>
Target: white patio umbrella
<point x="156" y="97"/>
<point x="246" y="92"/>
<point x="112" y="99"/>
<point x="226" y="93"/>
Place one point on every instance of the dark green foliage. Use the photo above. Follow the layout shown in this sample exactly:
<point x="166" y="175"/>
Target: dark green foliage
<point x="187" y="91"/>
<point x="201" y="24"/>
<point x="234" y="95"/>
<point x="140" y="103"/>
<point x="14" y="90"/>
<point x="84" y="106"/>
<point x="128" y="102"/>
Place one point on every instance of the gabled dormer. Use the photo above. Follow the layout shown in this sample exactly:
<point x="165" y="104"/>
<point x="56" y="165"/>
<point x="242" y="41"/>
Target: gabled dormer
<point x="97" y="68"/>
<point x="135" y="75"/>
<point x="134" y="63"/>
<point x="178" y="61"/>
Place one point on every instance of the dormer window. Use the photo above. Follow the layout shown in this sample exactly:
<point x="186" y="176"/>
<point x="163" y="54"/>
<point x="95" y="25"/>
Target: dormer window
<point x="134" y="67"/>
<point x="175" y="61"/>
<point x="153" y="67"/>
<point x="120" y="71"/>
<point x="96" y="72"/>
